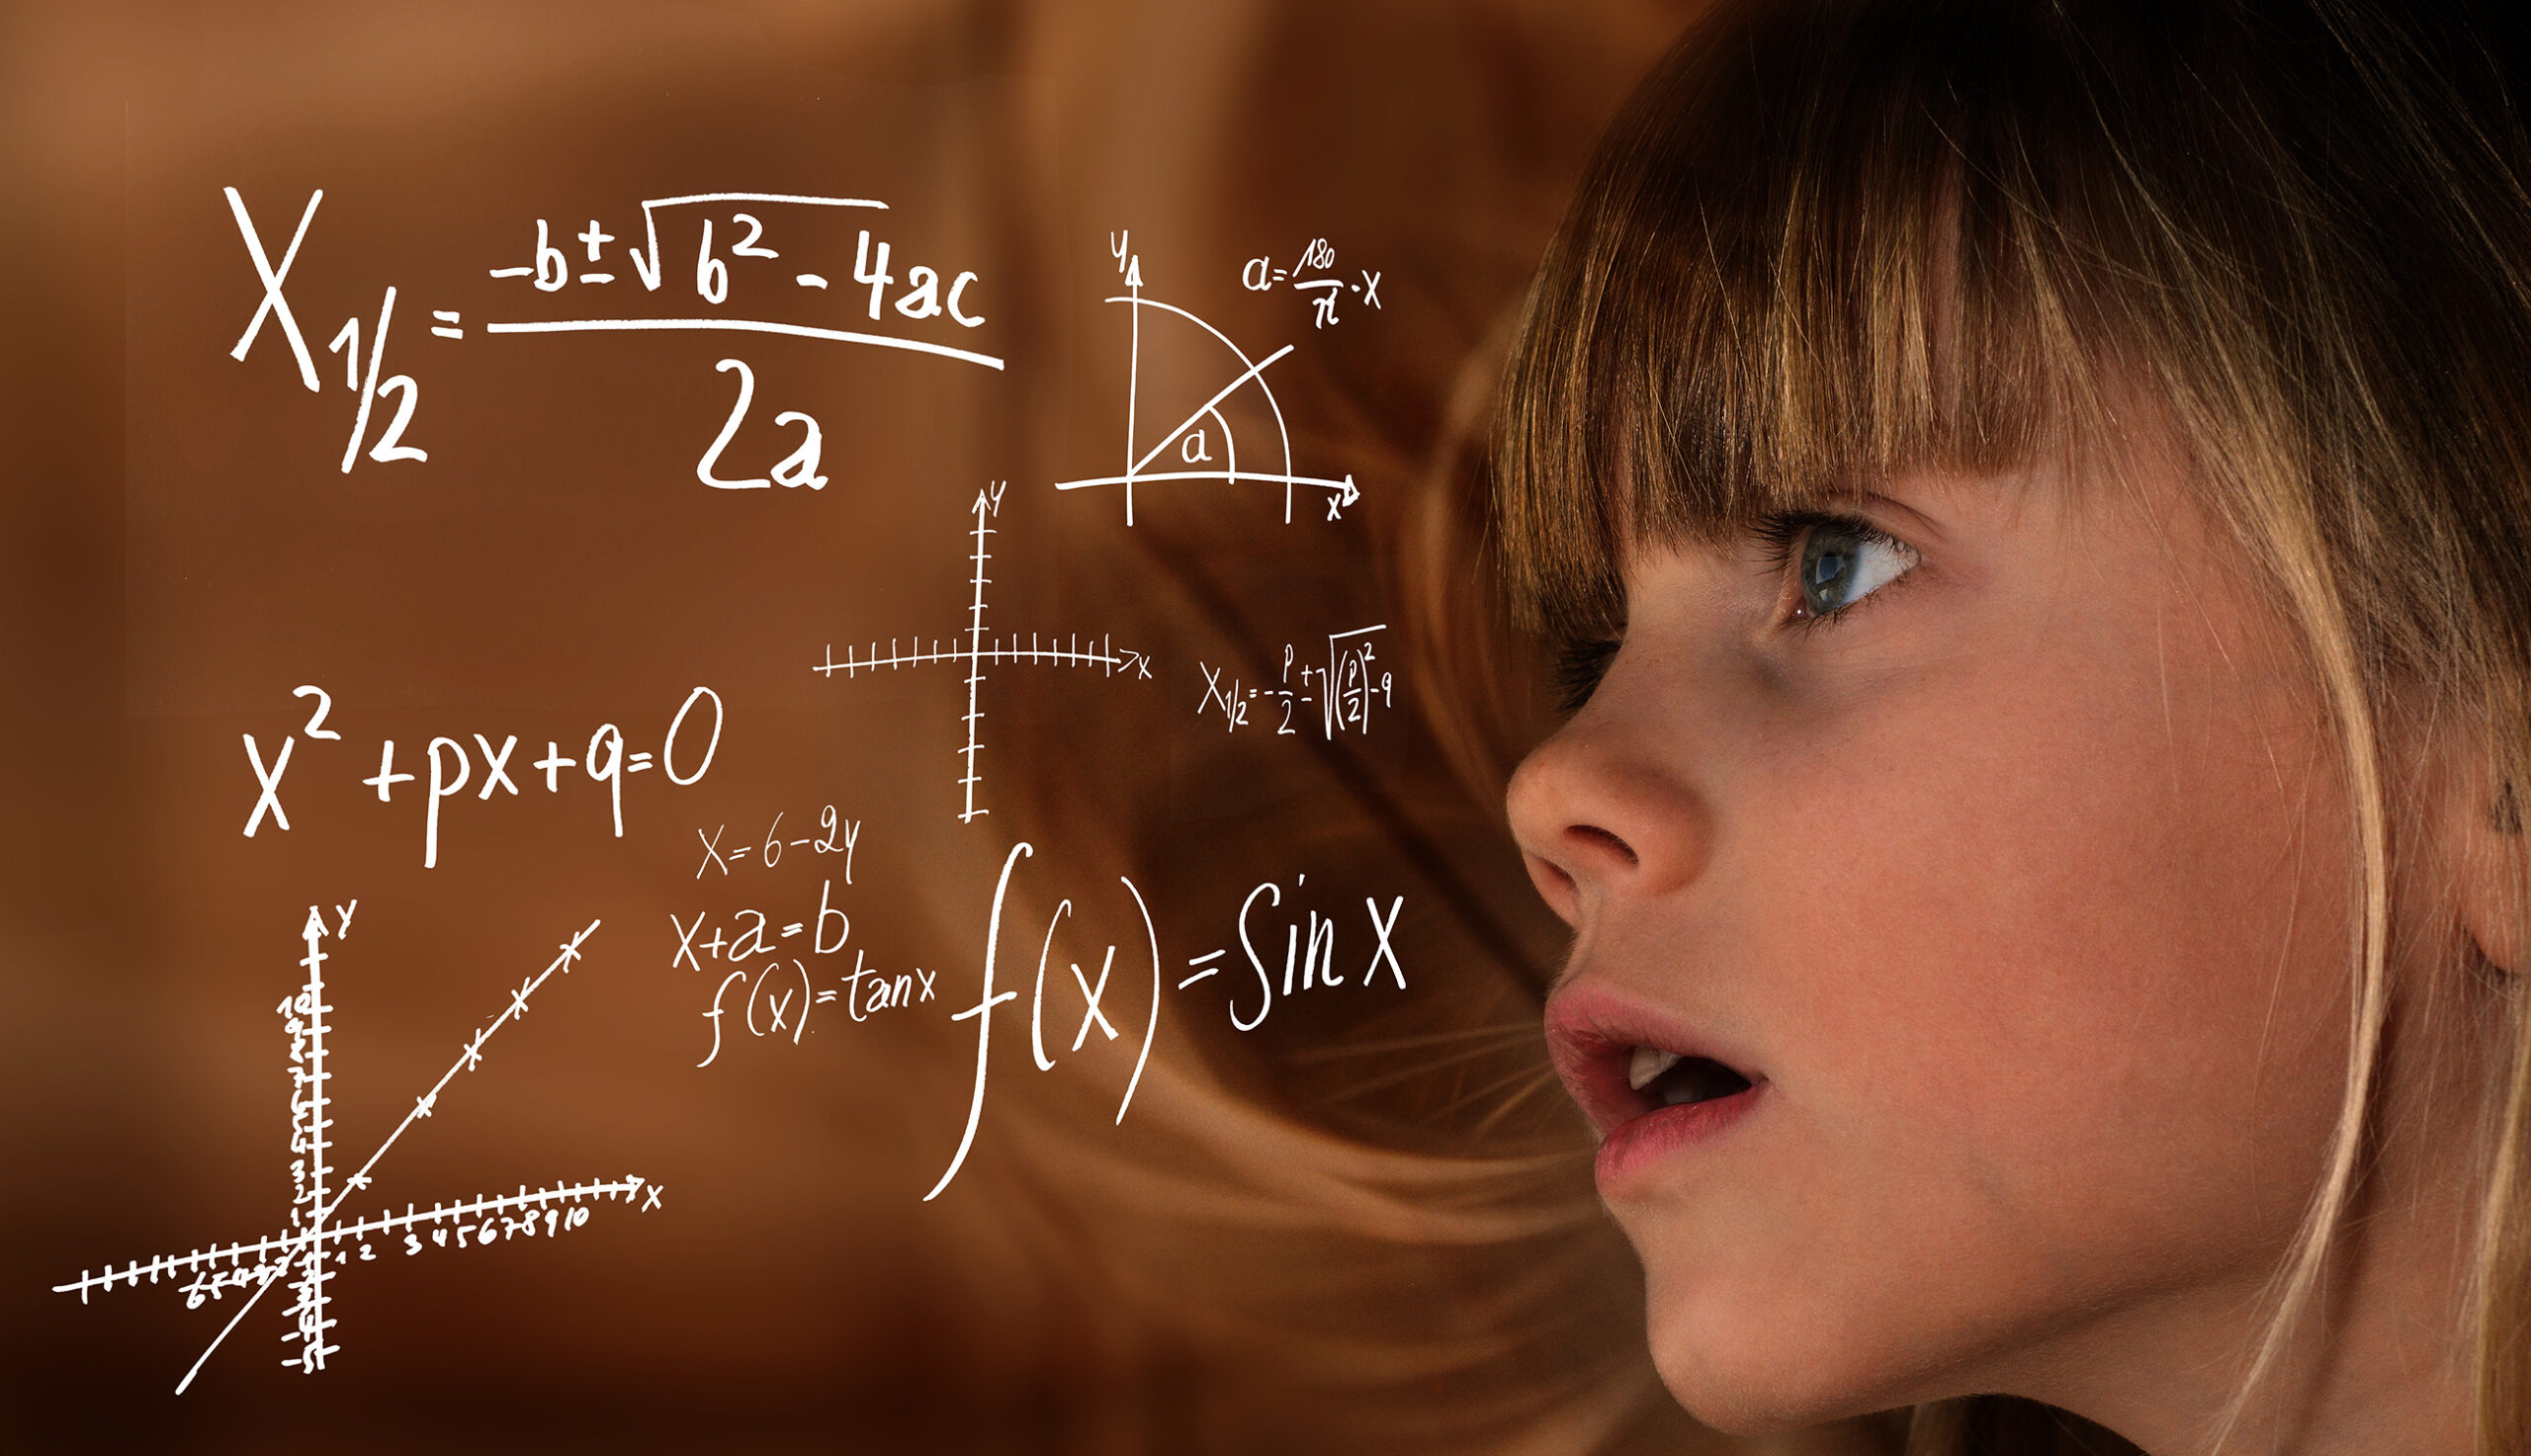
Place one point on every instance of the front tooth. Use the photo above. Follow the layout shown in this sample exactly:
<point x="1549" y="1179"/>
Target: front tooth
<point x="1648" y="1064"/>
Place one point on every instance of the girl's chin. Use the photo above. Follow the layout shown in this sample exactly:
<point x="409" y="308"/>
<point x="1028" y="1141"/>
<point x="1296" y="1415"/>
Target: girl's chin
<point x="1774" y="1342"/>
<point x="1758" y="1382"/>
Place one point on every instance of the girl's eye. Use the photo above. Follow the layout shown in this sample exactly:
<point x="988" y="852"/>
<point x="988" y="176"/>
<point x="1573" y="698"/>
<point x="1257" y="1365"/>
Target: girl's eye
<point x="1840" y="562"/>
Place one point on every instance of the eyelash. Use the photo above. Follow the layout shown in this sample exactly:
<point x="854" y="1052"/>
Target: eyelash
<point x="1579" y="667"/>
<point x="1782" y="533"/>
<point x="1582" y="662"/>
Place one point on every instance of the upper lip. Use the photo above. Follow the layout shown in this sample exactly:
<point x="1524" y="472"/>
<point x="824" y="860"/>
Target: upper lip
<point x="1591" y="1032"/>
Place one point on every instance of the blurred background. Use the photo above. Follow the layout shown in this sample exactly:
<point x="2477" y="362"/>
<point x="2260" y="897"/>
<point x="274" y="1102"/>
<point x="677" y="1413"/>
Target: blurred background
<point x="1347" y="1218"/>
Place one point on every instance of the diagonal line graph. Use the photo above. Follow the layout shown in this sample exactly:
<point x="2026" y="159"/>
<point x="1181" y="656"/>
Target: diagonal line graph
<point x="315" y="1239"/>
<point x="977" y="651"/>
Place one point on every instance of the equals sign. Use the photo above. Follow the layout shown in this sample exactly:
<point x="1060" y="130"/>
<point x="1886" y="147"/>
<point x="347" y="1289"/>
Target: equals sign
<point x="794" y="928"/>
<point x="1204" y="960"/>
<point x="447" y="327"/>
<point x="739" y="853"/>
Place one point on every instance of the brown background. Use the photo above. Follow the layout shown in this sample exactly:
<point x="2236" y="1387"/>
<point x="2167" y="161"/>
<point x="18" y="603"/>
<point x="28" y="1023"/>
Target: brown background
<point x="1366" y="1225"/>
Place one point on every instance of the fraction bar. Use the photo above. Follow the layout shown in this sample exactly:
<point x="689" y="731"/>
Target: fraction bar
<point x="736" y="326"/>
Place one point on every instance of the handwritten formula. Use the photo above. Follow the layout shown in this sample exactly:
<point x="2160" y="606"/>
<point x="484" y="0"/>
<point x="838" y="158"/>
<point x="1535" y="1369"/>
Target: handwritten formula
<point x="733" y="255"/>
<point x="1312" y="275"/>
<point x="447" y="766"/>
<point x="1339" y="694"/>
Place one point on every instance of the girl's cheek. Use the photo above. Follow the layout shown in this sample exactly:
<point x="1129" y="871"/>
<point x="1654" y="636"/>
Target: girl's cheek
<point x="1997" y="897"/>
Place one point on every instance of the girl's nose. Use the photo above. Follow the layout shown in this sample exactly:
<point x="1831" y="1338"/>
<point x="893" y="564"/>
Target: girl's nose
<point x="1599" y="813"/>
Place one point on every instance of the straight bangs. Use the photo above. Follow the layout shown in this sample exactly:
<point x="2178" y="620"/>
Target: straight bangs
<point x="1817" y="251"/>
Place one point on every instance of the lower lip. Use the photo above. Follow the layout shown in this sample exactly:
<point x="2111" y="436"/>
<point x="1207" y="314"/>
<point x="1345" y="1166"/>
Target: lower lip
<point x="1636" y="1145"/>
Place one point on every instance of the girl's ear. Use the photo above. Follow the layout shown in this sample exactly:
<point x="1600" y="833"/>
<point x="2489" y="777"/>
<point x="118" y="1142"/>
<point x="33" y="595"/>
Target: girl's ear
<point x="2491" y="859"/>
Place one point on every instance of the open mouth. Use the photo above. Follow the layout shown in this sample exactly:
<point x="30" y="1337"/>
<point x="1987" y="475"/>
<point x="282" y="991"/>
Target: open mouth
<point x="1651" y="1083"/>
<point x="1670" y="1080"/>
<point x="1651" y="1103"/>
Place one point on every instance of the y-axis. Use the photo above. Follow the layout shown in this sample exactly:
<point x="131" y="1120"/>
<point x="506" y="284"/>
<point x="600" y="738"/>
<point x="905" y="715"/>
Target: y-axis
<point x="1133" y="377"/>
<point x="988" y="503"/>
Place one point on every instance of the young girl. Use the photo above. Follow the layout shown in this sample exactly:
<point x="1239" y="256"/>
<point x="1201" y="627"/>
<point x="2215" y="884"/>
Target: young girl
<point x="2037" y="499"/>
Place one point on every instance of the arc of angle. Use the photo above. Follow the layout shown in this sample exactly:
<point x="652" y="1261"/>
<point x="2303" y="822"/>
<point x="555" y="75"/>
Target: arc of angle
<point x="1140" y="303"/>
<point x="473" y="1053"/>
<point x="739" y="327"/>
<point x="1230" y="443"/>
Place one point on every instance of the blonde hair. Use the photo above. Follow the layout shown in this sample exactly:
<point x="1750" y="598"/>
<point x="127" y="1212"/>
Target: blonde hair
<point x="1827" y="241"/>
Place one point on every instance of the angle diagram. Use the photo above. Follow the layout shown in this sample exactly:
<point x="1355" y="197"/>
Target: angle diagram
<point x="1189" y="435"/>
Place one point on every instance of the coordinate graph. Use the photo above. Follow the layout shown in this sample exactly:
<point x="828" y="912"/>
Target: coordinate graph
<point x="977" y="651"/>
<point x="1191" y="435"/>
<point x="318" y="1243"/>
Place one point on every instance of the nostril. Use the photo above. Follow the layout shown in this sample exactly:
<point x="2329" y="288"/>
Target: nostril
<point x="1555" y="886"/>
<point x="1598" y="838"/>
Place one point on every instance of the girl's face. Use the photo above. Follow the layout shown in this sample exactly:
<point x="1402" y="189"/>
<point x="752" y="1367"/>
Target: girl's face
<point x="1978" y="857"/>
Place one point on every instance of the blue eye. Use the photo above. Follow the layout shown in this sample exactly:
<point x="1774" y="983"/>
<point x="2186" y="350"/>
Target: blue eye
<point x="1842" y="561"/>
